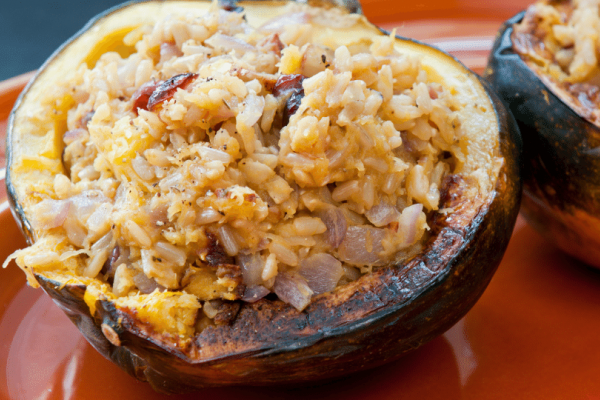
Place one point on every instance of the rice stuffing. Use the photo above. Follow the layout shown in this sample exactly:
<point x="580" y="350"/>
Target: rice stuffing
<point x="560" y="40"/>
<point x="223" y="163"/>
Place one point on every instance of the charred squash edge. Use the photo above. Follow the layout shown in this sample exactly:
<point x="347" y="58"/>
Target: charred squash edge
<point x="561" y="173"/>
<point x="364" y="324"/>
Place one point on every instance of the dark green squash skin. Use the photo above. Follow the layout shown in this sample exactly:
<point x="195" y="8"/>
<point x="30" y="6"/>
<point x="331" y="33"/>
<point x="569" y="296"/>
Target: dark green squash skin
<point x="561" y="174"/>
<point x="364" y="324"/>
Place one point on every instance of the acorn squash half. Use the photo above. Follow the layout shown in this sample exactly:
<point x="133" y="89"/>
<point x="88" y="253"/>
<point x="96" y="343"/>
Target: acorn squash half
<point x="360" y="325"/>
<point x="561" y="154"/>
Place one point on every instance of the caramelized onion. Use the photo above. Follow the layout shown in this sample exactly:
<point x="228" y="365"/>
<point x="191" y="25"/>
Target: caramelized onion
<point x="51" y="213"/>
<point x="146" y="285"/>
<point x="322" y="272"/>
<point x="336" y="226"/>
<point x="382" y="214"/>
<point x="362" y="246"/>
<point x="254" y="293"/>
<point x="292" y="289"/>
<point x="252" y="267"/>
<point x="85" y="204"/>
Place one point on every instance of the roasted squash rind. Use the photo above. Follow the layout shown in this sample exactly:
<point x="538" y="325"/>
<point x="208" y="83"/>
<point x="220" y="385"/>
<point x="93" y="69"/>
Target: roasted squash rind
<point x="364" y="324"/>
<point x="561" y="173"/>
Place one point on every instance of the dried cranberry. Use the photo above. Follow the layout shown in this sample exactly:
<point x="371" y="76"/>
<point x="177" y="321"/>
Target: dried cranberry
<point x="142" y="95"/>
<point x="166" y="89"/>
<point x="286" y="84"/>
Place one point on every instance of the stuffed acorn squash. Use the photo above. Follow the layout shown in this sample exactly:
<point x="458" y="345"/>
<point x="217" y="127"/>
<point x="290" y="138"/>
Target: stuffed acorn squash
<point x="544" y="66"/>
<point x="263" y="193"/>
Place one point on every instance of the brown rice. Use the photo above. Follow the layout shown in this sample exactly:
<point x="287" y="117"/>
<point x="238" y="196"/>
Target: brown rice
<point x="220" y="162"/>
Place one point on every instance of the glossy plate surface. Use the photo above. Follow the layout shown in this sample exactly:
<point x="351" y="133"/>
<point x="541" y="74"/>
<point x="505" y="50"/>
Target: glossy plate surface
<point x="533" y="335"/>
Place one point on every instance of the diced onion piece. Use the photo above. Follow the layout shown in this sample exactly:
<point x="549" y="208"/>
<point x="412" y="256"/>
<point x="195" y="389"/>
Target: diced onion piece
<point x="146" y="285"/>
<point x="122" y="254"/>
<point x="252" y="267"/>
<point x="362" y="246"/>
<point x="255" y="293"/>
<point x="382" y="214"/>
<point x="159" y="214"/>
<point x="293" y="290"/>
<point x="279" y="189"/>
<point x="322" y="272"/>
<point x="50" y="214"/>
<point x="171" y="181"/>
<point x="85" y="204"/>
<point x="336" y="225"/>
<point x="222" y="113"/>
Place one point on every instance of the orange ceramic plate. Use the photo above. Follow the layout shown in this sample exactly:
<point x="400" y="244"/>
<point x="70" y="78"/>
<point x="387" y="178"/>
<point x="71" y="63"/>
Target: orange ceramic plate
<point x="533" y="334"/>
